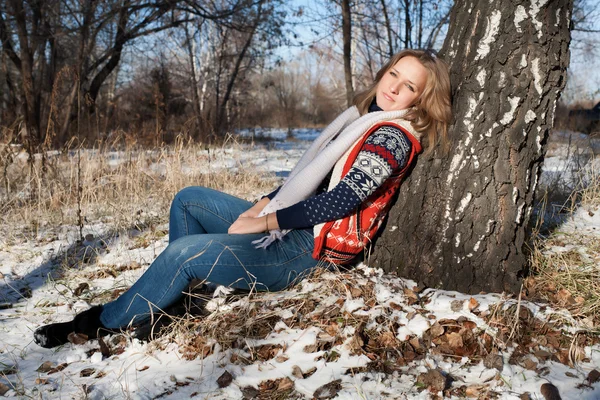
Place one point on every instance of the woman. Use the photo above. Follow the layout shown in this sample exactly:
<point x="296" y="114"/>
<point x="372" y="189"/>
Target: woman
<point x="327" y="211"/>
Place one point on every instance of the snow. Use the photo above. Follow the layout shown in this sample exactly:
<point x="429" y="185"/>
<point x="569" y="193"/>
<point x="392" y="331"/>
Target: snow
<point x="145" y="370"/>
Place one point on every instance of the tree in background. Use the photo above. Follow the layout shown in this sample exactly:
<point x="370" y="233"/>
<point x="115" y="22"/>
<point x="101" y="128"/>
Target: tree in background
<point x="462" y="217"/>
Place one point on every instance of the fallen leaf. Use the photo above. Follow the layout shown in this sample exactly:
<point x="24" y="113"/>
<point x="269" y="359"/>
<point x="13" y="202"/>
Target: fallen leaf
<point x="329" y="390"/>
<point x="58" y="368"/>
<point x="225" y="379"/>
<point x="473" y="391"/>
<point x="250" y="392"/>
<point x="45" y="367"/>
<point x="104" y="348"/>
<point x="82" y="286"/>
<point x="493" y="361"/>
<point x="297" y="372"/>
<point x="454" y="340"/>
<point x="41" y="381"/>
<point x="456" y="305"/>
<point x="87" y="372"/>
<point x="310" y="371"/>
<point x="473" y="304"/>
<point x="145" y="367"/>
<point x="285" y="384"/>
<point x="550" y="392"/>
<point x="77" y="338"/>
<point x="593" y="376"/>
<point x="436" y="330"/>
<point x="3" y="389"/>
<point x="434" y="380"/>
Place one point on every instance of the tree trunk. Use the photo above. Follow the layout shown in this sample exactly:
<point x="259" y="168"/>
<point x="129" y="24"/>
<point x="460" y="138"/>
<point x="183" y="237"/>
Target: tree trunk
<point x="460" y="219"/>
<point x="388" y="28"/>
<point x="347" y="39"/>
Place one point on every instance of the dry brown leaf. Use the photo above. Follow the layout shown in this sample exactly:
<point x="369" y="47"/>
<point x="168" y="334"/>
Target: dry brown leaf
<point x="455" y="340"/>
<point x="58" y="368"/>
<point x="473" y="304"/>
<point x="473" y="391"/>
<point x="225" y="379"/>
<point x="285" y="384"/>
<point x="282" y="358"/>
<point x="436" y="330"/>
<point x="387" y="339"/>
<point x="297" y="372"/>
<point x="77" y="338"/>
<point x="45" y="367"/>
<point x="87" y="372"/>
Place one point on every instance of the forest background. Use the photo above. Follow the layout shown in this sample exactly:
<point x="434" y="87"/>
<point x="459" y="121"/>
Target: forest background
<point x="90" y="72"/>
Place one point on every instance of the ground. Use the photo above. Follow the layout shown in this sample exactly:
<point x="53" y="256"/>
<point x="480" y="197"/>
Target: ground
<point x="341" y="334"/>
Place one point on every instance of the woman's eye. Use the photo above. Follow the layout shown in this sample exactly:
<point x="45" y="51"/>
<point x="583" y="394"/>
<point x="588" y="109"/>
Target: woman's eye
<point x="410" y="88"/>
<point x="392" y="73"/>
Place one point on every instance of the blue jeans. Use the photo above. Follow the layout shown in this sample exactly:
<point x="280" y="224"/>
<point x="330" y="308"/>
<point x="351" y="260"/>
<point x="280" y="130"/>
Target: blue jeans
<point x="200" y="248"/>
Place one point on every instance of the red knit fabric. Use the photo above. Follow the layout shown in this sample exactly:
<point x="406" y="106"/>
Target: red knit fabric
<point x="341" y="240"/>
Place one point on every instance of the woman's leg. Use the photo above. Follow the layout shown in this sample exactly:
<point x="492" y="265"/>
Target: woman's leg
<point x="230" y="260"/>
<point x="197" y="210"/>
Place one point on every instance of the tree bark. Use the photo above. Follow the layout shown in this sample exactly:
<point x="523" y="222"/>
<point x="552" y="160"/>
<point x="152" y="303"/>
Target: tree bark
<point x="347" y="39"/>
<point x="388" y="28"/>
<point x="460" y="219"/>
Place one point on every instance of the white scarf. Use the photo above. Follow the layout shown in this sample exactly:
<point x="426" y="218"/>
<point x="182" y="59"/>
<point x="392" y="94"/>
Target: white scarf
<point x="318" y="160"/>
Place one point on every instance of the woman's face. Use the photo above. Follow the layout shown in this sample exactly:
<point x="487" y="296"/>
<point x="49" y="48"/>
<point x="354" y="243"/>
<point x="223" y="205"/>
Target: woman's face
<point x="402" y="85"/>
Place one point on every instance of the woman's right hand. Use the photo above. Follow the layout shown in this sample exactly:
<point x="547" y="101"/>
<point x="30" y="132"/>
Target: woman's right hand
<point x="253" y="211"/>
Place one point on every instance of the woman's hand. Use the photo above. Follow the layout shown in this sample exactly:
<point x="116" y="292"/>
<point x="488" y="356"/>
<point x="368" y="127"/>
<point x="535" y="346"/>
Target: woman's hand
<point x="253" y="225"/>
<point x="253" y="211"/>
<point x="248" y="225"/>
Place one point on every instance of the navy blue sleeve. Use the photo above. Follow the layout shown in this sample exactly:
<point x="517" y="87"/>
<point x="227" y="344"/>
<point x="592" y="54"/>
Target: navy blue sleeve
<point x="386" y="150"/>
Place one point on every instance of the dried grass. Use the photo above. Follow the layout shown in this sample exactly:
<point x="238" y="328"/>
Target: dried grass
<point x="566" y="265"/>
<point x="130" y="188"/>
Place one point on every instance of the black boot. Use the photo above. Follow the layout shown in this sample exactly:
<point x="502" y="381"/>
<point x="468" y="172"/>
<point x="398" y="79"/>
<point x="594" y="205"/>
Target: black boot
<point x="86" y="322"/>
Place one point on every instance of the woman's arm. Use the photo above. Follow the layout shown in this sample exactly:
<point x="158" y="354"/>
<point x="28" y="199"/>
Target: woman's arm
<point x="253" y="224"/>
<point x="386" y="150"/>
<point x="253" y="211"/>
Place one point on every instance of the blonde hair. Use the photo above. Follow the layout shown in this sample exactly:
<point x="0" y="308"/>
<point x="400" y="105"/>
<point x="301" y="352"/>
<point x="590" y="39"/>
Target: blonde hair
<point x="432" y="113"/>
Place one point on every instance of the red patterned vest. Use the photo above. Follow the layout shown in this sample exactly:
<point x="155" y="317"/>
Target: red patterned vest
<point x="340" y="241"/>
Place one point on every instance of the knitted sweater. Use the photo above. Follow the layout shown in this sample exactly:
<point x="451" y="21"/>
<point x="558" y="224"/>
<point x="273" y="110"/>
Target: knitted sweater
<point x="340" y="241"/>
<point x="385" y="150"/>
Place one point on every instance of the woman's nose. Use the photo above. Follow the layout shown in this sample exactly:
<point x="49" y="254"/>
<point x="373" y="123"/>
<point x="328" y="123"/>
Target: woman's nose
<point x="394" y="88"/>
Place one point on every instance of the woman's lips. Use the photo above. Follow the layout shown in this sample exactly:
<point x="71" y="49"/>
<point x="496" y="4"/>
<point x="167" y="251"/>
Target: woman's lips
<point x="387" y="97"/>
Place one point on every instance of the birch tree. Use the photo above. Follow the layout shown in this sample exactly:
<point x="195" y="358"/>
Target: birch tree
<point x="460" y="219"/>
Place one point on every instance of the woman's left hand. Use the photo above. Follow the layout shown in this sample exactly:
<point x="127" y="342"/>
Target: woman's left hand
<point x="247" y="225"/>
